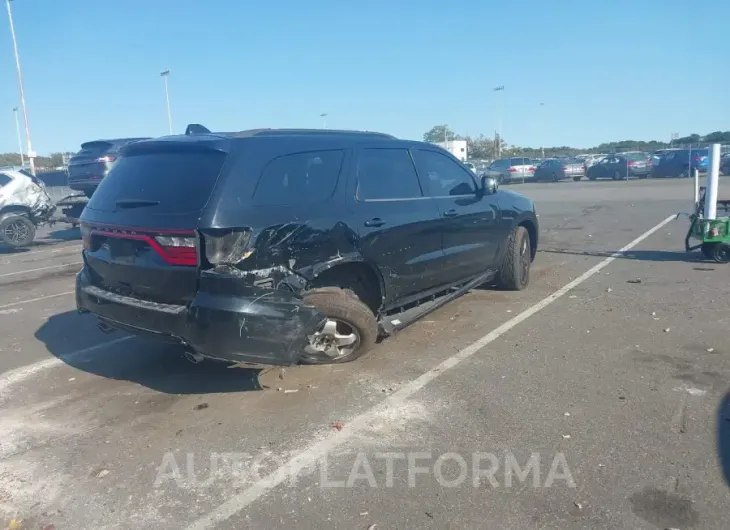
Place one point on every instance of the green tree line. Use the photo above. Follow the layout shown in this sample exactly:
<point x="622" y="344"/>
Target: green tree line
<point x="42" y="162"/>
<point x="481" y="147"/>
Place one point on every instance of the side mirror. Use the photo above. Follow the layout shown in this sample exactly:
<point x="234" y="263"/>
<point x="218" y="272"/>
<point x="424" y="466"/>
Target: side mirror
<point x="489" y="185"/>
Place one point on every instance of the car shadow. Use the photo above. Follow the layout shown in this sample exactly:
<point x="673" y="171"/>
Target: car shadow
<point x="156" y="365"/>
<point x="638" y="255"/>
<point x="66" y="234"/>
<point x="723" y="436"/>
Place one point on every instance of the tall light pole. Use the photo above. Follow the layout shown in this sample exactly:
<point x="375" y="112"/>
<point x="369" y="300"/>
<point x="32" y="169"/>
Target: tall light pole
<point x="542" y="131"/>
<point x="31" y="154"/>
<point x="499" y="88"/>
<point x="165" y="74"/>
<point x="20" y="141"/>
<point x="324" y="120"/>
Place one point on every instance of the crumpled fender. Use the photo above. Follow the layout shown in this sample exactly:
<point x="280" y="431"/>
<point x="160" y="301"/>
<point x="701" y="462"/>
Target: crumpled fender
<point x="30" y="197"/>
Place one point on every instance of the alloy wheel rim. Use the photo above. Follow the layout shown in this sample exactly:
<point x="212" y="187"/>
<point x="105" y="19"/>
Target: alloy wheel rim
<point x="335" y="339"/>
<point x="16" y="232"/>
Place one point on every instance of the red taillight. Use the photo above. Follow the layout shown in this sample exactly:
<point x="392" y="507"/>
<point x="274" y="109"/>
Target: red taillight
<point x="107" y="158"/>
<point x="178" y="250"/>
<point x="697" y="159"/>
<point x="565" y="168"/>
<point x="512" y="170"/>
<point x="179" y="247"/>
<point x="531" y="168"/>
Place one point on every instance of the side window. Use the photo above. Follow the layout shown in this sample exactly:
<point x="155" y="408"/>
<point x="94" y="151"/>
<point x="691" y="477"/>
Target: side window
<point x="4" y="179"/>
<point x="445" y="177"/>
<point x="298" y="178"/>
<point x="386" y="174"/>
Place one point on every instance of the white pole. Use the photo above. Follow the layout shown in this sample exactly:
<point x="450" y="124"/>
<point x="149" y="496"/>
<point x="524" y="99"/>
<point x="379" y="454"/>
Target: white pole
<point x="165" y="75"/>
<point x="20" y="140"/>
<point x="712" y="182"/>
<point x="697" y="187"/>
<point x="31" y="154"/>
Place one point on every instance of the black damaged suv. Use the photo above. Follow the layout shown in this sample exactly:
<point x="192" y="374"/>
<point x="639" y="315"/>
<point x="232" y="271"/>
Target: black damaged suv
<point x="276" y="247"/>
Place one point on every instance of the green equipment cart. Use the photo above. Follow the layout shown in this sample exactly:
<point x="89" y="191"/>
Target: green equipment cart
<point x="713" y="234"/>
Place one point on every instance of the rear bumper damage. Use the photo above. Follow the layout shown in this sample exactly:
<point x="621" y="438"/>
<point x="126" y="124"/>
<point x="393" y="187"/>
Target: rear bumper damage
<point x="226" y="320"/>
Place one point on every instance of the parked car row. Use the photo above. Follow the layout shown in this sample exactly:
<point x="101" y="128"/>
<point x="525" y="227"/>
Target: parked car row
<point x="633" y="164"/>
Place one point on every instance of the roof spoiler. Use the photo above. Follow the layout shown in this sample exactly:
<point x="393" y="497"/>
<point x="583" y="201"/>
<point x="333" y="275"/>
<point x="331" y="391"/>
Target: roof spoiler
<point x="196" y="128"/>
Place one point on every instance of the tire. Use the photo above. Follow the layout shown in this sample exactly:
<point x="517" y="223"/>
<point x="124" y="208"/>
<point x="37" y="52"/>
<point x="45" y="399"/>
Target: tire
<point x="343" y="306"/>
<point x="17" y="231"/>
<point x="707" y="250"/>
<point x="555" y="177"/>
<point x="514" y="274"/>
<point x="721" y="252"/>
<point x="576" y="179"/>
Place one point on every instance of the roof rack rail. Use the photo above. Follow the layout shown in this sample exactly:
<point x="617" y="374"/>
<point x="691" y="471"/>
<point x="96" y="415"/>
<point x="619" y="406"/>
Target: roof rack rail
<point x="316" y="132"/>
<point x="196" y="128"/>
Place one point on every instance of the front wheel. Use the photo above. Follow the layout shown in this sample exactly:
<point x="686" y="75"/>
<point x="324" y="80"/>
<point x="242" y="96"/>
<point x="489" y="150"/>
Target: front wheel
<point x="17" y="231"/>
<point x="348" y="332"/>
<point x="514" y="274"/>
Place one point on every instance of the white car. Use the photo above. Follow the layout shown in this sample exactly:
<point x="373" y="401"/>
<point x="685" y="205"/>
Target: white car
<point x="24" y="204"/>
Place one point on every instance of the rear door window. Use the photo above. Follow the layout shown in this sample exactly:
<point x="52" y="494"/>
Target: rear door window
<point x="386" y="174"/>
<point x="171" y="182"/>
<point x="299" y="178"/>
<point x="444" y="176"/>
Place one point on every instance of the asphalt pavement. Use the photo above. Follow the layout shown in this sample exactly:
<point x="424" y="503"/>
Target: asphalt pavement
<point x="597" y="398"/>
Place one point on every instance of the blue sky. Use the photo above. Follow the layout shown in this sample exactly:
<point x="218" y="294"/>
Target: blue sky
<point x="615" y="70"/>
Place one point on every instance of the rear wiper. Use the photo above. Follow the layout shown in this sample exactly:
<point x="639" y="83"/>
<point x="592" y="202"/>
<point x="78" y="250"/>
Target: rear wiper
<point x="136" y="203"/>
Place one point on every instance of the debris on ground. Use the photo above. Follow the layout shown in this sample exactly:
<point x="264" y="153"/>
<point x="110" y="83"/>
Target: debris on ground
<point x="578" y="505"/>
<point x="338" y="425"/>
<point x="281" y="373"/>
<point x="637" y="280"/>
<point x="102" y="473"/>
<point x="609" y="290"/>
<point x="201" y="406"/>
<point x="667" y="330"/>
<point x="566" y="414"/>
<point x="15" y="524"/>
<point x="363" y="514"/>
<point x="290" y="390"/>
<point x="566" y="436"/>
<point x="372" y="527"/>
<point x="710" y="350"/>
<point x="49" y="526"/>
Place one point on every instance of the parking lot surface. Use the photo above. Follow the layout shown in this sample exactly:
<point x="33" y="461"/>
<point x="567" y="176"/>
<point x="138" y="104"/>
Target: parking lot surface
<point x="609" y="376"/>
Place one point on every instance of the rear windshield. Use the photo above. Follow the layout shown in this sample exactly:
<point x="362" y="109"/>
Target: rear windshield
<point x="636" y="156"/>
<point x="520" y="161"/>
<point x="177" y="181"/>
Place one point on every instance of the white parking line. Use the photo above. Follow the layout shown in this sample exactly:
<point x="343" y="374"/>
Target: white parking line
<point x="40" y="269"/>
<point x="31" y="300"/>
<point x="55" y="248"/>
<point x="18" y="375"/>
<point x="316" y="451"/>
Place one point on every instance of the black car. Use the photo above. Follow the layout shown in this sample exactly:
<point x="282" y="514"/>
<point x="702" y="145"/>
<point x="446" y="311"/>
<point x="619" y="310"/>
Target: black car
<point x="92" y="163"/>
<point x="275" y="247"/>
<point x="725" y="164"/>
<point x="621" y="166"/>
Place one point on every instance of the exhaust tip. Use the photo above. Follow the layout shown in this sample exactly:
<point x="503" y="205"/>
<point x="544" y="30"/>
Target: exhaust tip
<point x="194" y="357"/>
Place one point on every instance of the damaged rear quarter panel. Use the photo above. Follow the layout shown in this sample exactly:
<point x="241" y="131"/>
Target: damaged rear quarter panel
<point x="293" y="243"/>
<point x="21" y="194"/>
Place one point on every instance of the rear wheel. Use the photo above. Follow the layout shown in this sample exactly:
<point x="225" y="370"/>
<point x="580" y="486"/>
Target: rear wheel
<point x="555" y="177"/>
<point x="17" y="231"/>
<point x="577" y="178"/>
<point x="721" y="252"/>
<point x="349" y="331"/>
<point x="514" y="274"/>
